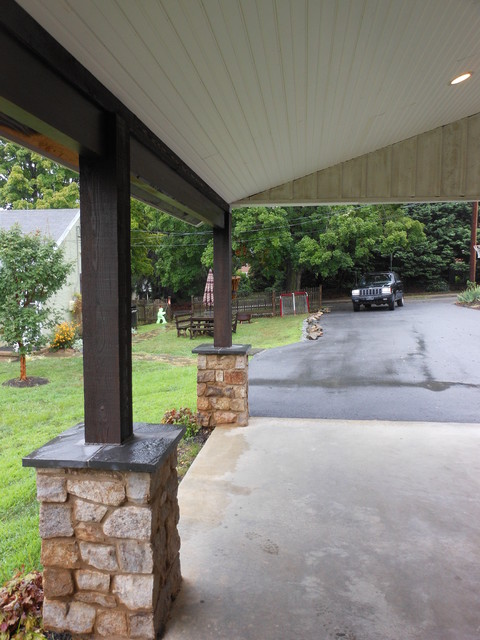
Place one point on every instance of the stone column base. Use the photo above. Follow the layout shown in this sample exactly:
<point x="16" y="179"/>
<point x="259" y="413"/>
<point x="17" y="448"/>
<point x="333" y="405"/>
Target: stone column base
<point x="108" y="523"/>
<point x="222" y="385"/>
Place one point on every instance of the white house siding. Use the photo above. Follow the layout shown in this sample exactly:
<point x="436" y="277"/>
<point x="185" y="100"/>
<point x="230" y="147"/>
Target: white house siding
<point x="63" y="226"/>
<point x="71" y="246"/>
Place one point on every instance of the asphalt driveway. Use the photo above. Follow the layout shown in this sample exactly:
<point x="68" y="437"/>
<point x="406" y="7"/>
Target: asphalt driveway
<point x="419" y="362"/>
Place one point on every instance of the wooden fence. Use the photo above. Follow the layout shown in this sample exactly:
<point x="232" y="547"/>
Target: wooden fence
<point x="262" y="304"/>
<point x="258" y="304"/>
<point x="147" y="311"/>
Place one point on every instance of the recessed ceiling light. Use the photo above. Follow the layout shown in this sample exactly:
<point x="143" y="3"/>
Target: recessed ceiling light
<point x="458" y="79"/>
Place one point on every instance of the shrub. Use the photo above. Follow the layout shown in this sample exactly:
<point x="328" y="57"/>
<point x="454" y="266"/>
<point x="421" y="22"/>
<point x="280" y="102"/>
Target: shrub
<point x="64" y="336"/>
<point x="471" y="295"/>
<point x="78" y="345"/>
<point x="77" y="312"/>
<point x="21" y="602"/>
<point x="33" y="269"/>
<point x="437" y="286"/>
<point x="185" y="417"/>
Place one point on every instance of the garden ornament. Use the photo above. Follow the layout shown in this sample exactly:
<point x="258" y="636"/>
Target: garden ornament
<point x="161" y="316"/>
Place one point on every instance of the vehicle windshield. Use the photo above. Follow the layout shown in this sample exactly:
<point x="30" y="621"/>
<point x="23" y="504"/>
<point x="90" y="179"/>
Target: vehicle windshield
<point x="375" y="278"/>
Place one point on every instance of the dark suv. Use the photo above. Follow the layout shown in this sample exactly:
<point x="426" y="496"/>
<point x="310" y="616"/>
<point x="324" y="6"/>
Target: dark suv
<point x="378" y="288"/>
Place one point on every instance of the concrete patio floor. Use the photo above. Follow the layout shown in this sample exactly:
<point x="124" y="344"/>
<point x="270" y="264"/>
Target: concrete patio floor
<point x="327" y="530"/>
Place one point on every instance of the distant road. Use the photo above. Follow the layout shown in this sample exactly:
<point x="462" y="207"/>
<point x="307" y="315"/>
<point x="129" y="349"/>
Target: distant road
<point x="419" y="362"/>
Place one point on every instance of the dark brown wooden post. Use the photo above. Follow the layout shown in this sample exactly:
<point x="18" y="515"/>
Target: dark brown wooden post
<point x="105" y="229"/>
<point x="222" y="283"/>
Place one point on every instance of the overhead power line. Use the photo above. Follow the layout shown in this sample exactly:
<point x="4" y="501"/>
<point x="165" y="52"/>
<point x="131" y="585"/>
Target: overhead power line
<point x="313" y="221"/>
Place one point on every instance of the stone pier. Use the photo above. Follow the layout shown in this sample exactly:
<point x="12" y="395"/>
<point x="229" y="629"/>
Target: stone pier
<point x="108" y="523"/>
<point x="222" y="385"/>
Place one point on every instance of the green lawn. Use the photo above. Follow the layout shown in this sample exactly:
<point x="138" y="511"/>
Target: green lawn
<point x="261" y="333"/>
<point x="32" y="416"/>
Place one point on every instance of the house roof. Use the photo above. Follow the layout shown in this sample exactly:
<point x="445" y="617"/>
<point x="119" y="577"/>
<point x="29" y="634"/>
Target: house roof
<point x="54" y="223"/>
<point x="254" y="93"/>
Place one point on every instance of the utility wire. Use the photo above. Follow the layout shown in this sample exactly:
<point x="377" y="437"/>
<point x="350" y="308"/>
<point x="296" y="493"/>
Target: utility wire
<point x="295" y="222"/>
<point x="313" y="221"/>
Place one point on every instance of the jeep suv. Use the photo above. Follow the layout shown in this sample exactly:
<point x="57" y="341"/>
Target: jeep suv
<point x="378" y="288"/>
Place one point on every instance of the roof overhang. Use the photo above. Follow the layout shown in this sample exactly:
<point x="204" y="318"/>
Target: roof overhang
<point x="51" y="104"/>
<point x="259" y="94"/>
<point x="225" y="101"/>
<point x="436" y="166"/>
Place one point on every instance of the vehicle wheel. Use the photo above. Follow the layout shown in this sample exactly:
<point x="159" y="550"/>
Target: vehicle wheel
<point x="391" y="304"/>
<point x="356" y="306"/>
<point x="400" y="302"/>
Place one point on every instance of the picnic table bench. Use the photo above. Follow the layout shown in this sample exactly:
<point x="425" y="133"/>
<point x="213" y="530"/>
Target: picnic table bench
<point x="183" y="321"/>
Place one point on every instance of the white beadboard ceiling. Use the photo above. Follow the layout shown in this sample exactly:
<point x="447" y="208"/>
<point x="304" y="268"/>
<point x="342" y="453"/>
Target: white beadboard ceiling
<point x="254" y="93"/>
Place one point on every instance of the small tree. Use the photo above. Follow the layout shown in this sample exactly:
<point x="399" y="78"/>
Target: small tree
<point x="32" y="269"/>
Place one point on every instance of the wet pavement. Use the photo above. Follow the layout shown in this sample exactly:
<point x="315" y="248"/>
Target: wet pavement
<point x="419" y="362"/>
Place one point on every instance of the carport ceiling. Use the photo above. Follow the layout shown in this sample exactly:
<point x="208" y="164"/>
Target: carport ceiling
<point x="255" y="93"/>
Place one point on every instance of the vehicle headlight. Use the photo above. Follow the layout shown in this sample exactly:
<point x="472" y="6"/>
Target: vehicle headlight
<point x="386" y="290"/>
<point x="355" y="292"/>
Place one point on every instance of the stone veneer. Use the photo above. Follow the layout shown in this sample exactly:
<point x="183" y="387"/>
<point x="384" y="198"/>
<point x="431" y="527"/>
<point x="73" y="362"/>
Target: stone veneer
<point x="110" y="546"/>
<point x="222" y="385"/>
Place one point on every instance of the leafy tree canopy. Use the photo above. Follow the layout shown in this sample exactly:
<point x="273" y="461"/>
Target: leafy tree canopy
<point x="178" y="265"/>
<point x="267" y="239"/>
<point x="442" y="257"/>
<point x="32" y="269"/>
<point x="30" y="181"/>
<point x="354" y="239"/>
<point x="145" y="242"/>
<point x="286" y="247"/>
<point x="261" y="238"/>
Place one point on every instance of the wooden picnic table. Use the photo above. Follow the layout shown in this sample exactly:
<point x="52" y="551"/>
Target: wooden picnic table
<point x="203" y="325"/>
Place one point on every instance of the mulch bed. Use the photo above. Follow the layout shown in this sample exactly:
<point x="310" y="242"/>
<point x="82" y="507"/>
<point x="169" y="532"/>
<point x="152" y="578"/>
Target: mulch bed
<point x="187" y="450"/>
<point x="59" y="353"/>
<point x="32" y="381"/>
<point x="474" y="306"/>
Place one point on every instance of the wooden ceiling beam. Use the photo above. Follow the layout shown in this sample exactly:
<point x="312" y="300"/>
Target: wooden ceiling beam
<point x="23" y="135"/>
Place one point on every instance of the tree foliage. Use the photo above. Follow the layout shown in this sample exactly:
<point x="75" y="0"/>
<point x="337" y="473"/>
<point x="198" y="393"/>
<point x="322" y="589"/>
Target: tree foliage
<point x="178" y="265"/>
<point x="261" y="238"/>
<point x="32" y="269"/>
<point x="442" y="257"/>
<point x="356" y="238"/>
<point x="287" y="248"/>
<point x="268" y="240"/>
<point x="167" y="253"/>
<point x="145" y="242"/>
<point x="30" y="181"/>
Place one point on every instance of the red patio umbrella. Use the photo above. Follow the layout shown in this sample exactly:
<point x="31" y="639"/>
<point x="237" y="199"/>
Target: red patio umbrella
<point x="208" y="293"/>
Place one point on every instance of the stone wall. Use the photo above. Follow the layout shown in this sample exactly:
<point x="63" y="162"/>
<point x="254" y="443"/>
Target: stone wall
<point x="222" y="389"/>
<point x="110" y="550"/>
